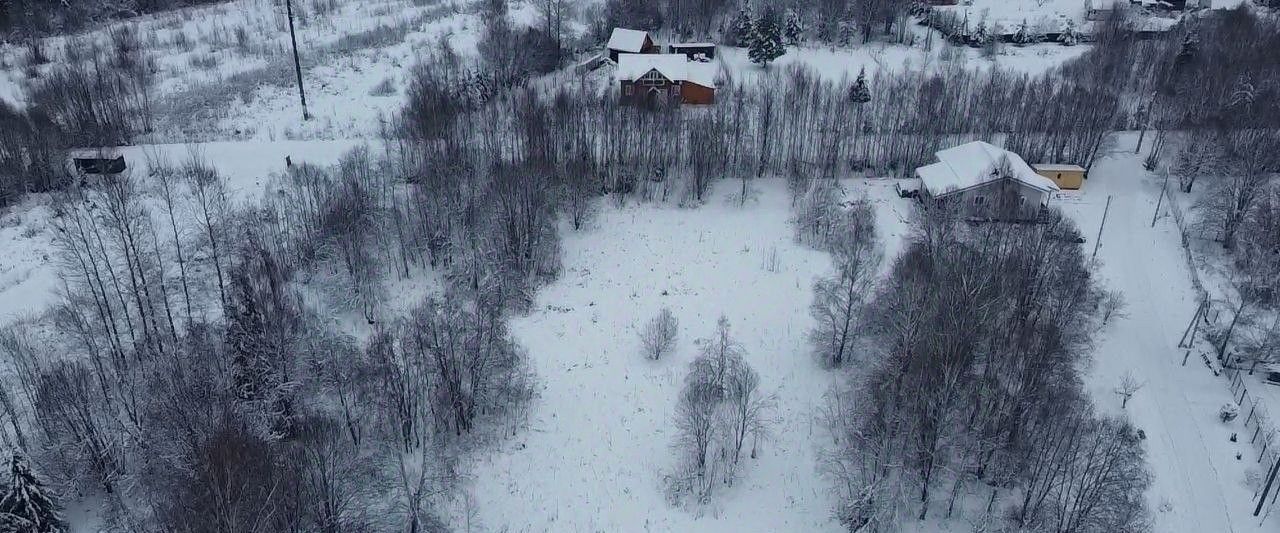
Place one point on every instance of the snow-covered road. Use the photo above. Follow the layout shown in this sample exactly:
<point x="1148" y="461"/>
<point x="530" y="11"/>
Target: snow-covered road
<point x="1199" y="485"/>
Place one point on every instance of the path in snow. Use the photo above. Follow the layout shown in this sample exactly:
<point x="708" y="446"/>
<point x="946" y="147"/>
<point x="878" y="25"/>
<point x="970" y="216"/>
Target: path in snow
<point x="1199" y="484"/>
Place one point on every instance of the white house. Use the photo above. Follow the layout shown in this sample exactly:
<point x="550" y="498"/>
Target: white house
<point x="988" y="181"/>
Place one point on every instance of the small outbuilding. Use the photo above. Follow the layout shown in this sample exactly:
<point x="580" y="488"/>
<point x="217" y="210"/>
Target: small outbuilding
<point x="652" y="79"/>
<point x="987" y="182"/>
<point x="694" y="51"/>
<point x="102" y="161"/>
<point x="625" y="41"/>
<point x="1067" y="177"/>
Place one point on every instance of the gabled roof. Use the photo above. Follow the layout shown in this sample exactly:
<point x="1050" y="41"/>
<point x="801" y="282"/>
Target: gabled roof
<point x="977" y="163"/>
<point x="624" y="40"/>
<point x="675" y="67"/>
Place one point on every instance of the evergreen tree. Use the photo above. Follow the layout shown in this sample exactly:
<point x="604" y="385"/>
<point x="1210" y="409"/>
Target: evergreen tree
<point x="741" y="29"/>
<point x="980" y="35"/>
<point x="1069" y="36"/>
<point x="26" y="508"/>
<point x="766" y="44"/>
<point x="858" y="92"/>
<point x="793" y="28"/>
<point x="1190" y="45"/>
<point x="1024" y="35"/>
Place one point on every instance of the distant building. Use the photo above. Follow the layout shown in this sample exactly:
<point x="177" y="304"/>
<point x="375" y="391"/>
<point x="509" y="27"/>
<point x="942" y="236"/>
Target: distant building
<point x="1067" y="177"/>
<point x="624" y="41"/>
<point x="694" y="51"/>
<point x="986" y="182"/>
<point x="663" y="79"/>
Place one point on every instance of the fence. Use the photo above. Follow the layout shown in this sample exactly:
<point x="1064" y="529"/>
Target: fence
<point x="1259" y="428"/>
<point x="1257" y="420"/>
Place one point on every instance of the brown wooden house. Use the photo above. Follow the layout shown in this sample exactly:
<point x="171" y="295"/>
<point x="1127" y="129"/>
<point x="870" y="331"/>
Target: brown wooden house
<point x="654" y="79"/>
<point x="624" y="41"/>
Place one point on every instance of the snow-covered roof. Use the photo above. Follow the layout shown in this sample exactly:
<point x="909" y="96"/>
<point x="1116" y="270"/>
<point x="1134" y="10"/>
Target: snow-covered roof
<point x="1049" y="167"/>
<point x="976" y="163"/>
<point x="93" y="153"/>
<point x="692" y="45"/>
<point x="675" y="67"/>
<point x="624" y="40"/>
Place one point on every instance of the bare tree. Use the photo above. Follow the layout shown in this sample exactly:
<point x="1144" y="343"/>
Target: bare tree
<point x="209" y="201"/>
<point x="659" y="334"/>
<point x="1256" y="155"/>
<point x="1129" y="385"/>
<point x="838" y="300"/>
<point x="747" y="411"/>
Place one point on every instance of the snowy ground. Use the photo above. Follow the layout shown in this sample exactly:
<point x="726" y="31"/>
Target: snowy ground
<point x="598" y="442"/>
<point x="28" y="274"/>
<point x="1199" y="485"/>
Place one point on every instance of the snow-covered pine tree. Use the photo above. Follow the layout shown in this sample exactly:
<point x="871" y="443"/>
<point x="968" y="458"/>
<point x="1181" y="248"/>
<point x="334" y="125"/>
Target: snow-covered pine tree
<point x="766" y="43"/>
<point x="858" y="92"/>
<point x="741" y="29"/>
<point x="793" y="28"/>
<point x="26" y="507"/>
<point x="1190" y="45"/>
<point x="980" y="35"/>
<point x="1024" y="35"/>
<point x="1069" y="36"/>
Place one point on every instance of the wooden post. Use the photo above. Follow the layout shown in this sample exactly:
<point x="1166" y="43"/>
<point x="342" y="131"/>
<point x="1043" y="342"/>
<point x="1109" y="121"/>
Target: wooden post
<point x="1160" y="199"/>
<point x="1271" y="478"/>
<point x="1183" y="343"/>
<point x="1222" y="350"/>
<point x="1098" y="241"/>
<point x="297" y="65"/>
<point x="1184" y="358"/>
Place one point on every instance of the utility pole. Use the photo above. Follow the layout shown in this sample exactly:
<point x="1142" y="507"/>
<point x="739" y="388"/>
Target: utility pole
<point x="1161" y="198"/>
<point x="1098" y="241"/>
<point x="297" y="66"/>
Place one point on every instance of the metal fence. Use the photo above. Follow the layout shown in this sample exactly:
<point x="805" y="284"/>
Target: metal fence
<point x="1259" y="427"/>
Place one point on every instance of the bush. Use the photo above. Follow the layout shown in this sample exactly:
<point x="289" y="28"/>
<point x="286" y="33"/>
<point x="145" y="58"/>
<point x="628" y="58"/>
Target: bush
<point x="659" y="335"/>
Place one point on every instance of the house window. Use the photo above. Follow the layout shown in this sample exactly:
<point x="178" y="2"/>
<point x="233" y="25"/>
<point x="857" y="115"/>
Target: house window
<point x="675" y="89"/>
<point x="652" y="78"/>
<point x="979" y="200"/>
<point x="628" y="90"/>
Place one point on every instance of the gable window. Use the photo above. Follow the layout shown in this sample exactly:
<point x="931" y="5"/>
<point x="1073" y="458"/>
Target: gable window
<point x="652" y="78"/>
<point x="675" y="89"/>
<point x="979" y="200"/>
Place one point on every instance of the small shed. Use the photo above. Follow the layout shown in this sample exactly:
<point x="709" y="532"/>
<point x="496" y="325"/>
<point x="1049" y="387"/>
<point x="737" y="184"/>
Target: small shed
<point x="104" y="161"/>
<point x="1272" y="373"/>
<point x="1068" y="177"/>
<point x="694" y="51"/>
<point x="625" y="41"/>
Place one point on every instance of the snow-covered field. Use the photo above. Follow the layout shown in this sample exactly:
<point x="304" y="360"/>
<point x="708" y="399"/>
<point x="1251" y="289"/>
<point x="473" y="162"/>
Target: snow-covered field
<point x="598" y="442"/>
<point x="1199" y="485"/>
